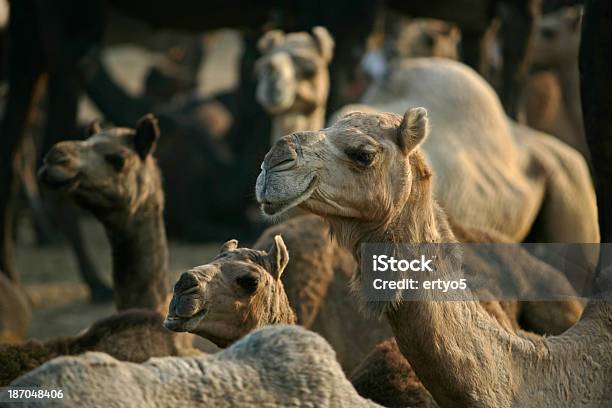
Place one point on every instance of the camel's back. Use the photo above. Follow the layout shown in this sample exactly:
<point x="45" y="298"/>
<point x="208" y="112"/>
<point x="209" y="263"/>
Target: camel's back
<point x="276" y="366"/>
<point x="477" y="163"/>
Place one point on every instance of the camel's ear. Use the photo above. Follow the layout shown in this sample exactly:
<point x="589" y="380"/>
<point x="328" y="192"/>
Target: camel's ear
<point x="413" y="129"/>
<point x="454" y="33"/>
<point x="270" y="40"/>
<point x="147" y="133"/>
<point x="94" y="127"/>
<point x="229" y="246"/>
<point x="279" y="257"/>
<point x="325" y="42"/>
<point x="573" y="16"/>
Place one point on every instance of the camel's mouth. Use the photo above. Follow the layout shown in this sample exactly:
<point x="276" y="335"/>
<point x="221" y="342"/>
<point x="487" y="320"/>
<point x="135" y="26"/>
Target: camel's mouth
<point x="58" y="178"/>
<point x="279" y="207"/>
<point x="277" y="102"/>
<point x="185" y="324"/>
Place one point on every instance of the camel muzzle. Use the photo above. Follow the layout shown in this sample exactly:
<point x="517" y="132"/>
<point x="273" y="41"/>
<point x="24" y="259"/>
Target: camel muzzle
<point x="186" y="308"/>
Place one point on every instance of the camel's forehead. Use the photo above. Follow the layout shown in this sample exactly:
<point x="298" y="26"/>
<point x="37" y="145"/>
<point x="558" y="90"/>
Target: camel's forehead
<point x="115" y="136"/>
<point x="298" y="44"/>
<point x="240" y="257"/>
<point x="379" y="126"/>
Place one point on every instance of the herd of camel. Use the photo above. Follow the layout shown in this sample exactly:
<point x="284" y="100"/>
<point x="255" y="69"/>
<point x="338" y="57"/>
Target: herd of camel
<point x="428" y="156"/>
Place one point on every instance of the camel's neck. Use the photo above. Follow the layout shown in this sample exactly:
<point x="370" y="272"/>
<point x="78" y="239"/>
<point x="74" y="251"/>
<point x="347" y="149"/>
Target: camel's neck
<point x="448" y="343"/>
<point x="290" y="122"/>
<point x="140" y="257"/>
<point x="569" y="80"/>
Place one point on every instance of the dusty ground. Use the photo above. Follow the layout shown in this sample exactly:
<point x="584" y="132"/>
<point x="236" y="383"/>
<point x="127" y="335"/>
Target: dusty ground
<point x="51" y="278"/>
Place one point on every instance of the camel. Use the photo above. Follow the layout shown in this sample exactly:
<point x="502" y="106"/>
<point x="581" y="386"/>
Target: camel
<point x="273" y="366"/>
<point x="367" y="177"/>
<point x="525" y="183"/>
<point x="113" y="174"/>
<point x="239" y="291"/>
<point x="555" y="50"/>
<point x="134" y="335"/>
<point x="293" y="79"/>
<point x="386" y="378"/>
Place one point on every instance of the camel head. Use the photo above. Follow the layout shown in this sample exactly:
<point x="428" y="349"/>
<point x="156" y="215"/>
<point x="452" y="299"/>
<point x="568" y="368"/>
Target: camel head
<point x="113" y="170"/>
<point x="361" y="168"/>
<point x="293" y="71"/>
<point x="422" y="37"/>
<point x="557" y="39"/>
<point x="237" y="292"/>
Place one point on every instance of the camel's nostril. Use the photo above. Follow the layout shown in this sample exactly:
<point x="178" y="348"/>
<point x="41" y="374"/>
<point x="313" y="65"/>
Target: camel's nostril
<point x="285" y="165"/>
<point x="187" y="282"/>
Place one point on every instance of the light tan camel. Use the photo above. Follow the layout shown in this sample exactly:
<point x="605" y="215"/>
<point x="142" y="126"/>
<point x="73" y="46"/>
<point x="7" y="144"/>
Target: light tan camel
<point x="113" y="174"/>
<point x="279" y="365"/>
<point x="293" y="79"/>
<point x="555" y="49"/>
<point x="239" y="291"/>
<point x="367" y="177"/>
<point x="491" y="173"/>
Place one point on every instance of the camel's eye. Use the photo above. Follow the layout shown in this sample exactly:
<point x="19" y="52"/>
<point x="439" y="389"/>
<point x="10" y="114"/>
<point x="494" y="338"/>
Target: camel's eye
<point x="428" y="40"/>
<point x="116" y="160"/>
<point x="248" y="282"/>
<point x="362" y="156"/>
<point x="305" y="67"/>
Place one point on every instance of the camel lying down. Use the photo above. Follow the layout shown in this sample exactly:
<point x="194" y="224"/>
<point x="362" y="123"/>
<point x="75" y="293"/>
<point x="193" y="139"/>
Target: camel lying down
<point x="278" y="365"/>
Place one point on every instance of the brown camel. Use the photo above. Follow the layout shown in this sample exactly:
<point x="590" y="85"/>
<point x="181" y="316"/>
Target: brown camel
<point x="133" y="335"/>
<point x="113" y="174"/>
<point x="239" y="291"/>
<point x="367" y="177"/>
<point x="386" y="378"/>
<point x="555" y="49"/>
<point x="293" y="79"/>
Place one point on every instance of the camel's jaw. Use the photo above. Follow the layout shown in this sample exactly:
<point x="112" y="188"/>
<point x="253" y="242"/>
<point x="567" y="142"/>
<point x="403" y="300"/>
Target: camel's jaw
<point x="57" y="177"/>
<point x="185" y="324"/>
<point x="272" y="203"/>
<point x="276" y="103"/>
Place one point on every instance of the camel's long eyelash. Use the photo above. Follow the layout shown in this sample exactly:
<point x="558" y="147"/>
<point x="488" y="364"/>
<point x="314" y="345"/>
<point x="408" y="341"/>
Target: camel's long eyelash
<point x="248" y="282"/>
<point x="362" y="156"/>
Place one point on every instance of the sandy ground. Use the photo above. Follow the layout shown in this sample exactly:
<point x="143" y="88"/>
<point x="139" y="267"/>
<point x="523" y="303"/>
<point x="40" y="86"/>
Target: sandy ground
<point x="51" y="278"/>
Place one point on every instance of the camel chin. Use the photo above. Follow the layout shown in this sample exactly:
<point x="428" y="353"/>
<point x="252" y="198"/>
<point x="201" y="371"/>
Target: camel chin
<point x="58" y="178"/>
<point x="182" y="324"/>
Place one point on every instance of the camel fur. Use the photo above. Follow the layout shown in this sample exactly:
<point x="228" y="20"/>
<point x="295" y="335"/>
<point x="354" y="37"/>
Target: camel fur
<point x="113" y="174"/>
<point x="278" y="365"/>
<point x="134" y="335"/>
<point x="368" y="178"/>
<point x="237" y="292"/>
<point x="513" y="180"/>
<point x="553" y="93"/>
<point x="293" y="79"/>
